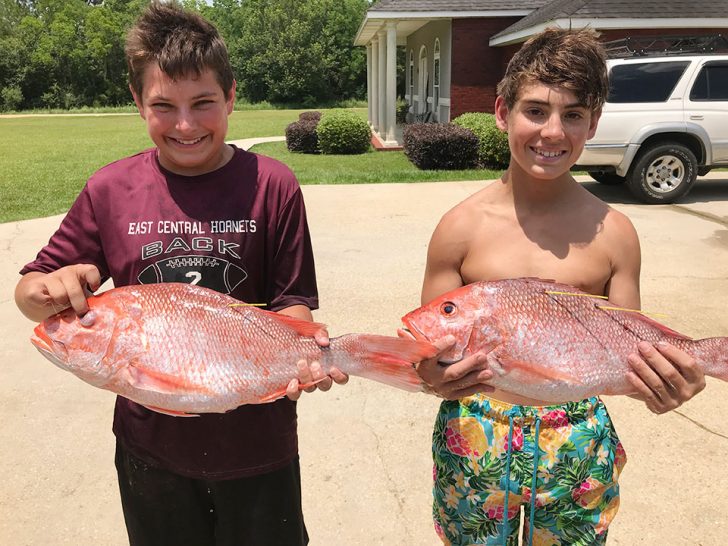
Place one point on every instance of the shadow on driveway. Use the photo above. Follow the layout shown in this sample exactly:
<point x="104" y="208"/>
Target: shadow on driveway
<point x="705" y="190"/>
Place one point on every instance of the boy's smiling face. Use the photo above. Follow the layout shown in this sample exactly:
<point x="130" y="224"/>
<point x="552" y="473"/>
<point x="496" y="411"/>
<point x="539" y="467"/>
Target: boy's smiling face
<point x="547" y="129"/>
<point x="187" y="119"/>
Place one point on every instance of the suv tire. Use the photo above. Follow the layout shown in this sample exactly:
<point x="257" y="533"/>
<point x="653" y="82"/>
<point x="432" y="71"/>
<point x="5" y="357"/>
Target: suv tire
<point x="608" y="179"/>
<point x="663" y="173"/>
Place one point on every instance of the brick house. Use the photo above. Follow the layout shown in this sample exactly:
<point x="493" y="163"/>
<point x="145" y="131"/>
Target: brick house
<point x="457" y="50"/>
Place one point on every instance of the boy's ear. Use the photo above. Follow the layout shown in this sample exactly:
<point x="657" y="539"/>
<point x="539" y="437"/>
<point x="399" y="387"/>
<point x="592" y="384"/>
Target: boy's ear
<point x="137" y="101"/>
<point x="593" y="122"/>
<point x="501" y="114"/>
<point x="230" y="99"/>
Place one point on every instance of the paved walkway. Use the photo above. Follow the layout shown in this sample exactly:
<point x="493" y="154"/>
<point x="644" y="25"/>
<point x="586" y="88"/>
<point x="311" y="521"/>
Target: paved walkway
<point x="365" y="448"/>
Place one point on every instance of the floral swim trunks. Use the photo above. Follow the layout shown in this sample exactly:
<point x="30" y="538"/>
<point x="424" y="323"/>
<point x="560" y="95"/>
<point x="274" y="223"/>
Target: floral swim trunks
<point x="478" y="478"/>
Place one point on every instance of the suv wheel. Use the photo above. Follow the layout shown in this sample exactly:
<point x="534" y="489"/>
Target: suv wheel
<point x="608" y="179"/>
<point x="663" y="173"/>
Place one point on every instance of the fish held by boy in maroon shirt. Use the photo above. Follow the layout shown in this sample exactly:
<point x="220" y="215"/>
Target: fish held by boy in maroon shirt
<point x="550" y="341"/>
<point x="182" y="349"/>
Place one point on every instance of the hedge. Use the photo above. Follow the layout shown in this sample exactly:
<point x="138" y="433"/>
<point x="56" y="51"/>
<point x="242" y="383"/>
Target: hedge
<point x="343" y="132"/>
<point x="493" y="151"/>
<point x="440" y="146"/>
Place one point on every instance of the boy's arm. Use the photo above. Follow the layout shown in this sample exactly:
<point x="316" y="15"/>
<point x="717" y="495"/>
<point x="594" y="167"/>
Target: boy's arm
<point x="445" y="255"/>
<point x="663" y="376"/>
<point x="40" y="295"/>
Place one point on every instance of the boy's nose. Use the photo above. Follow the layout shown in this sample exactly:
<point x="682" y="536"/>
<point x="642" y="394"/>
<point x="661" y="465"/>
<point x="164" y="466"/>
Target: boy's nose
<point x="185" y="120"/>
<point x="554" y="128"/>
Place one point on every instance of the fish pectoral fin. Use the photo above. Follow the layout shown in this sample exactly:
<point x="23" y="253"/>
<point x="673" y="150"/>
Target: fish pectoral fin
<point x="173" y="413"/>
<point x="153" y="380"/>
<point x="529" y="372"/>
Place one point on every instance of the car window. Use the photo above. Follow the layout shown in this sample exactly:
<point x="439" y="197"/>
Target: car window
<point x="711" y="83"/>
<point x="644" y="82"/>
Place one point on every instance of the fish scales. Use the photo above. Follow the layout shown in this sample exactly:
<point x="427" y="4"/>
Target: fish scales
<point x="182" y="349"/>
<point x="549" y="341"/>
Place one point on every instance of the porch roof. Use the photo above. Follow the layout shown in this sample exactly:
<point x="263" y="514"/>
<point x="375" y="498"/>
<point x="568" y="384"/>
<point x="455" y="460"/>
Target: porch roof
<point x="617" y="14"/>
<point x="410" y="15"/>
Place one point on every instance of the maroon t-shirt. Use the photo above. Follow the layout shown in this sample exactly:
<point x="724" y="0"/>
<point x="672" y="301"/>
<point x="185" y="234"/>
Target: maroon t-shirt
<point x="240" y="230"/>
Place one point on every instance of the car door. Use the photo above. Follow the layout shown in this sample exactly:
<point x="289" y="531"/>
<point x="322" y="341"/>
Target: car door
<point x="707" y="105"/>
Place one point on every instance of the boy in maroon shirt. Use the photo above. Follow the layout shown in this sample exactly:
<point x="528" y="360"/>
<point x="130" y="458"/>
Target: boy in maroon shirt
<point x="196" y="210"/>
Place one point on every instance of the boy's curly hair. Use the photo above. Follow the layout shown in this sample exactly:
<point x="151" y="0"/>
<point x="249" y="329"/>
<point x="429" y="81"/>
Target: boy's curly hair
<point x="572" y="59"/>
<point x="182" y="43"/>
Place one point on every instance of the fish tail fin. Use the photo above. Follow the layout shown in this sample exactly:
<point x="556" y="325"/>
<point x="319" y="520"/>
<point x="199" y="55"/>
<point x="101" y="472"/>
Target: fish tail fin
<point x="388" y="360"/>
<point x="712" y="355"/>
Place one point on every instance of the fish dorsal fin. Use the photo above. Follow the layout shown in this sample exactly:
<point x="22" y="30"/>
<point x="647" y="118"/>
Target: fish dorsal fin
<point x="301" y="327"/>
<point x="661" y="327"/>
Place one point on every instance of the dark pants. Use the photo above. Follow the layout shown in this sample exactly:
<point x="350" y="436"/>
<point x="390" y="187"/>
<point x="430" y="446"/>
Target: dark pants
<point x="162" y="508"/>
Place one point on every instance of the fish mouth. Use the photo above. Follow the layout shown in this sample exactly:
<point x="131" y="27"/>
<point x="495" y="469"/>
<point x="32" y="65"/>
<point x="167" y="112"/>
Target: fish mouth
<point x="48" y="348"/>
<point x="419" y="335"/>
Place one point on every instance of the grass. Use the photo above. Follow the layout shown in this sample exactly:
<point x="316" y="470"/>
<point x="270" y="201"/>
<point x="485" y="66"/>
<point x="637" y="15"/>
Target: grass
<point x="46" y="160"/>
<point x="370" y="168"/>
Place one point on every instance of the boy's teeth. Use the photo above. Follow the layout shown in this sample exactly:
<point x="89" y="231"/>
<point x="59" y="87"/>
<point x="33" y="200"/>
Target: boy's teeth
<point x="549" y="154"/>
<point x="195" y="141"/>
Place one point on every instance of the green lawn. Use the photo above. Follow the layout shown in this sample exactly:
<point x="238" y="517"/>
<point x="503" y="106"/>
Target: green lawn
<point x="45" y="160"/>
<point x="370" y="168"/>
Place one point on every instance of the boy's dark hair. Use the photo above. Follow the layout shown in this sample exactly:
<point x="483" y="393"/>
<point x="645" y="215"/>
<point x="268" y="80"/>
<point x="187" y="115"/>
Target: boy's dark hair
<point x="182" y="43"/>
<point x="572" y="59"/>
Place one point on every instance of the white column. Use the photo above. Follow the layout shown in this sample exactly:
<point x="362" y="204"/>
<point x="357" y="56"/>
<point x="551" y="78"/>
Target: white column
<point x="369" y="83"/>
<point x="374" y="95"/>
<point x="382" y="80"/>
<point x="391" y="97"/>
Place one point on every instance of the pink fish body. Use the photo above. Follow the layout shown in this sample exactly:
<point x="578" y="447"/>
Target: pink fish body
<point x="550" y="341"/>
<point x="183" y="349"/>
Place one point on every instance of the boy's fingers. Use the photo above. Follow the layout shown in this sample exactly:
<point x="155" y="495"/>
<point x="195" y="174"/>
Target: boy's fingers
<point x="292" y="390"/>
<point x="339" y="377"/>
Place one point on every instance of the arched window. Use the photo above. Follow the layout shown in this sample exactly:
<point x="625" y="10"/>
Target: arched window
<point x="436" y="81"/>
<point x="423" y="81"/>
<point x="412" y="77"/>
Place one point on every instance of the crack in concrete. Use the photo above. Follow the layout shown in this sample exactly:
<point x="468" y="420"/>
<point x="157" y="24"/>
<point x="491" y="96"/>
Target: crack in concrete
<point x="701" y="426"/>
<point x="390" y="480"/>
<point x="700" y="214"/>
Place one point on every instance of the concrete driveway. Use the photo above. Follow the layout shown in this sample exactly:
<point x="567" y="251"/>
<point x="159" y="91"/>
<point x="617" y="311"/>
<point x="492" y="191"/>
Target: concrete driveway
<point x="365" y="448"/>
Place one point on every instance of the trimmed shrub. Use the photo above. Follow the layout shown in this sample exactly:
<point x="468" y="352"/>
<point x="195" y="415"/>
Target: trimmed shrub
<point x="493" y="149"/>
<point x="301" y="137"/>
<point x="310" y="115"/>
<point x="343" y="132"/>
<point x="440" y="146"/>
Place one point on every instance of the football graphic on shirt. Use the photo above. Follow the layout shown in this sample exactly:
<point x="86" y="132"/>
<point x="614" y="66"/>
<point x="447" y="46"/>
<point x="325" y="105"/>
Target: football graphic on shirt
<point x="207" y="271"/>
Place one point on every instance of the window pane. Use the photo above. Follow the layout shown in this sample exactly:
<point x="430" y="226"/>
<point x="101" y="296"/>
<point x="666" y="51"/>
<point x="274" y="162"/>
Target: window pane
<point x="644" y="82"/>
<point x="711" y="84"/>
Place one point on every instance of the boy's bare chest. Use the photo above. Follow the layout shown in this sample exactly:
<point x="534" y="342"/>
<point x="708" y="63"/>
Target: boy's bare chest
<point x="576" y="257"/>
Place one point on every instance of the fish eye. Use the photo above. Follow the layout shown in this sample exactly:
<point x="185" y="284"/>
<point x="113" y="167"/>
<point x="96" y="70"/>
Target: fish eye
<point x="448" y="308"/>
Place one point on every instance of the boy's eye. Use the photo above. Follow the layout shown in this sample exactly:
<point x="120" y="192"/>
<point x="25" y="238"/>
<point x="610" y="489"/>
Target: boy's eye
<point x="162" y="106"/>
<point x="203" y="103"/>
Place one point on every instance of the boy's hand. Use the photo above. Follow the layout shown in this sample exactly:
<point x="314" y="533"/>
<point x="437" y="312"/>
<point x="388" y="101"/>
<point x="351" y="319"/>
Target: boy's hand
<point x="309" y="373"/>
<point x="40" y="295"/>
<point x="664" y="376"/>
<point x="454" y="381"/>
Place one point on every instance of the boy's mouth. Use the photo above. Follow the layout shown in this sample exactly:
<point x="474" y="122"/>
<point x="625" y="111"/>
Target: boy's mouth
<point x="186" y="142"/>
<point x="549" y="154"/>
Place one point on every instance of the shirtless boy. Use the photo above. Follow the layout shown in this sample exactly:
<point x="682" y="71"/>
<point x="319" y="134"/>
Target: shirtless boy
<point x="537" y="221"/>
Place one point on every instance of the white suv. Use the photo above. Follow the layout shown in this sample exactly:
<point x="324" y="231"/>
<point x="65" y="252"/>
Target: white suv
<point x="664" y="123"/>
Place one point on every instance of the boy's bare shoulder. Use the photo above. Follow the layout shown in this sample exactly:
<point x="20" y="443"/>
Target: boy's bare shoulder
<point x="470" y="212"/>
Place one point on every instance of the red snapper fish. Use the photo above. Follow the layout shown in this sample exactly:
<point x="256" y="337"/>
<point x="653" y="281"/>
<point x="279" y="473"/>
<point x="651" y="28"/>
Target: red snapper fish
<point x="182" y="349"/>
<point x="550" y="341"/>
